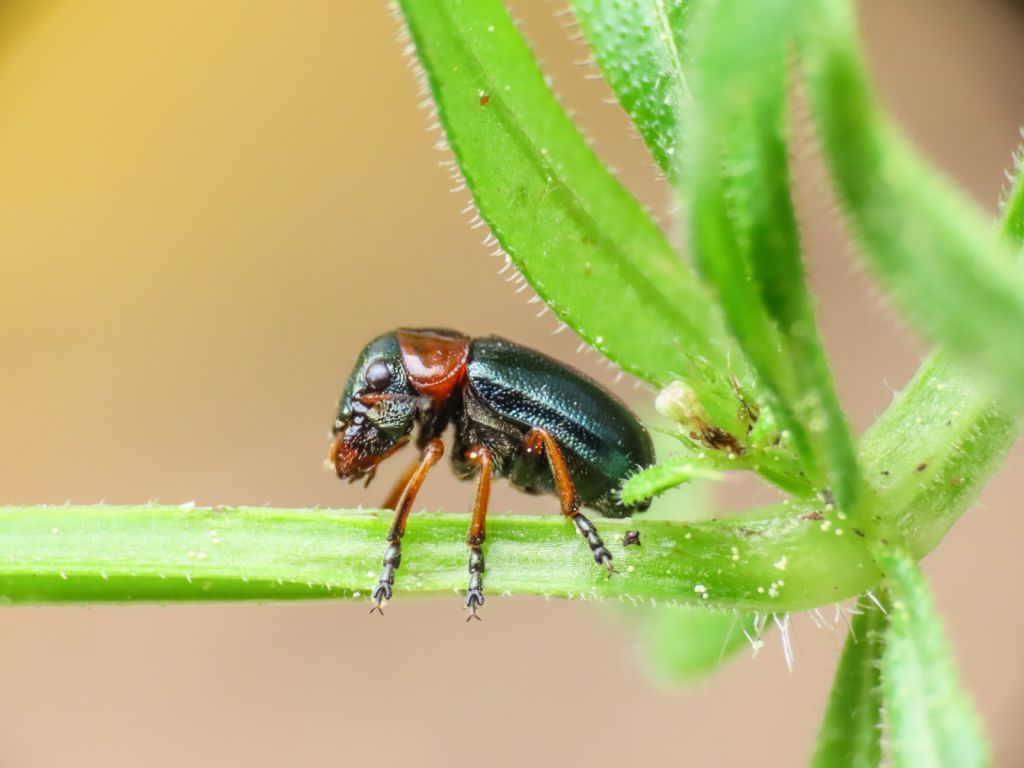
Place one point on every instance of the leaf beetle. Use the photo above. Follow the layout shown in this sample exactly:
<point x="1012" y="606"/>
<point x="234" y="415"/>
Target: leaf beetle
<point x="516" y="414"/>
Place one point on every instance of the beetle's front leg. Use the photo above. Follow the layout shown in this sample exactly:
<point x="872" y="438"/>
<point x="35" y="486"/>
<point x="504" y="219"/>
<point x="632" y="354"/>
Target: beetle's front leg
<point x="538" y="440"/>
<point x="393" y="553"/>
<point x="478" y="455"/>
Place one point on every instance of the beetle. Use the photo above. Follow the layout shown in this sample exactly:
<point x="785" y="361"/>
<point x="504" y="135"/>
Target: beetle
<point x="516" y="413"/>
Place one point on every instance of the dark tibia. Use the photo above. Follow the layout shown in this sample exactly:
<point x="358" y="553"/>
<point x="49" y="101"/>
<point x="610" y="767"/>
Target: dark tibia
<point x="480" y="456"/>
<point x="538" y="440"/>
<point x="475" y="593"/>
<point x="392" y="559"/>
<point x="587" y="530"/>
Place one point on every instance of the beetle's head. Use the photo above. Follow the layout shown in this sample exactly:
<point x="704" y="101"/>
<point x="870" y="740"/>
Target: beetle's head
<point x="377" y="411"/>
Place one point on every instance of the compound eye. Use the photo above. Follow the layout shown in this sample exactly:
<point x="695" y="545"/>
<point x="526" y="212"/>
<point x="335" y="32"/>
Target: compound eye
<point x="377" y="376"/>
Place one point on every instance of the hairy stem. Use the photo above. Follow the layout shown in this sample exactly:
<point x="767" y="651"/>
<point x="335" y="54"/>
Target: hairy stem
<point x="767" y="561"/>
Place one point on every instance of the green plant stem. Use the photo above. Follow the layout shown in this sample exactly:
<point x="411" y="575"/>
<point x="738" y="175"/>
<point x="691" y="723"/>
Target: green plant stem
<point x="934" y="448"/>
<point x="769" y="561"/>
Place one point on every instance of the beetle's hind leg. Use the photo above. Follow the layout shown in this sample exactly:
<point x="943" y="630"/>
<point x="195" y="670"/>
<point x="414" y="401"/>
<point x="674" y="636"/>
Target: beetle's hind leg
<point x="478" y="455"/>
<point x="538" y="440"/>
<point x="393" y="553"/>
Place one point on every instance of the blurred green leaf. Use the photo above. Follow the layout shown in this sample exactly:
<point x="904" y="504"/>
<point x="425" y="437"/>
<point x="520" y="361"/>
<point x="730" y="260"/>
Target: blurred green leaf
<point x="928" y="456"/>
<point x="930" y="720"/>
<point x="929" y="244"/>
<point x="685" y="644"/>
<point x="640" y="47"/>
<point x="745" y="231"/>
<point x="935" y="446"/>
<point x="680" y="644"/>
<point x="851" y="735"/>
<point x="578" y="236"/>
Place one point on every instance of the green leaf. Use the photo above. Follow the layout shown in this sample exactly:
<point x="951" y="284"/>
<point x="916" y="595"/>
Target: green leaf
<point x="929" y="244"/>
<point x="746" y="236"/>
<point x="639" y="45"/>
<point x="685" y="644"/>
<point x="770" y="561"/>
<point x="850" y="736"/>
<point x="1013" y="202"/>
<point x="930" y="720"/>
<point x="712" y="466"/>
<point x="577" y="235"/>
<point x="661" y="477"/>
<point x="944" y="434"/>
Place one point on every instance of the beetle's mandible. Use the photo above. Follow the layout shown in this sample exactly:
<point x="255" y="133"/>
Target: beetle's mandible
<point x="516" y="413"/>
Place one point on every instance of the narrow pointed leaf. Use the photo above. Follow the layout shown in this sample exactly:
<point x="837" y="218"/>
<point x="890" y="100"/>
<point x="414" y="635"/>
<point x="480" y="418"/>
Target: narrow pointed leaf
<point x="931" y="723"/>
<point x="931" y="247"/>
<point x="640" y="47"/>
<point x="670" y="474"/>
<point x="578" y="236"/>
<point x="746" y="237"/>
<point x="851" y="735"/>
<point x="1013" y="202"/>
<point x="713" y="466"/>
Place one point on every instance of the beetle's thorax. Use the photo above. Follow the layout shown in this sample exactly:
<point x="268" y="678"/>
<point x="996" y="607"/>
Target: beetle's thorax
<point x="435" y="363"/>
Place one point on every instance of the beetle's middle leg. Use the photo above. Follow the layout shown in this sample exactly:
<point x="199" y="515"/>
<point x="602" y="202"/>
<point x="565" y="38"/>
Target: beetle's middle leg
<point x="478" y="455"/>
<point x="393" y="553"/>
<point x="538" y="440"/>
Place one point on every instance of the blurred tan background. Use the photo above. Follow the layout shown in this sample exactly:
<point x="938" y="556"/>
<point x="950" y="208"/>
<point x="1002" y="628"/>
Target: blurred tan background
<point x="206" y="208"/>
